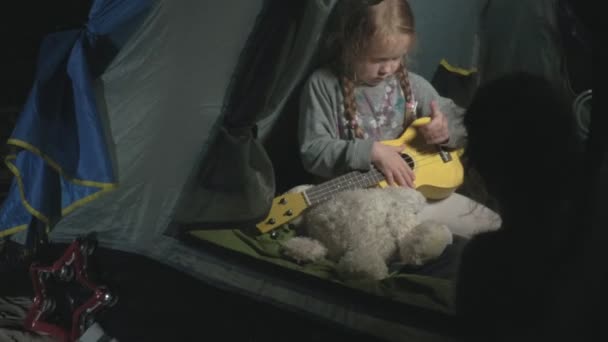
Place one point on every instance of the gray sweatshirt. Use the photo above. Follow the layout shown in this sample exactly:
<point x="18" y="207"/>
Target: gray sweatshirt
<point x="326" y="147"/>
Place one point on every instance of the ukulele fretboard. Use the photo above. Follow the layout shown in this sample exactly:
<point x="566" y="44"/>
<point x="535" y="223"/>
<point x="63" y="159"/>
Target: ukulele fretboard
<point x="350" y="181"/>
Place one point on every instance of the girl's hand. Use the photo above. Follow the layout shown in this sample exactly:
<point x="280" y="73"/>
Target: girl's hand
<point x="436" y="131"/>
<point x="388" y="160"/>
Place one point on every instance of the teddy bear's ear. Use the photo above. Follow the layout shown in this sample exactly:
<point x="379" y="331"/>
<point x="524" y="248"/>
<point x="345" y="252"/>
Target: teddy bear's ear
<point x="424" y="243"/>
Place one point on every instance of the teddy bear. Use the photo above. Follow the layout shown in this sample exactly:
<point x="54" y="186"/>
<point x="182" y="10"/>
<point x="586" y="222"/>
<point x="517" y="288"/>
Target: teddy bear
<point x="364" y="230"/>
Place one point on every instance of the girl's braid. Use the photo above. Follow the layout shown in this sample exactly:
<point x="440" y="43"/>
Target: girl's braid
<point x="404" y="81"/>
<point x="350" y="106"/>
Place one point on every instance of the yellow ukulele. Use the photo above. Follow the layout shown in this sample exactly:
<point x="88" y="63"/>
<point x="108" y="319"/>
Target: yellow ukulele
<point x="438" y="173"/>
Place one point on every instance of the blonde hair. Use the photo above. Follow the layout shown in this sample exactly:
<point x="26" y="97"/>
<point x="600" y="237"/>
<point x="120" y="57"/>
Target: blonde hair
<point x="353" y="26"/>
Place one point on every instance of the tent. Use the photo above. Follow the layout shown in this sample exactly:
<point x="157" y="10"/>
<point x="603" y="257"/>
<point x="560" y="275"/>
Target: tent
<point x="192" y="108"/>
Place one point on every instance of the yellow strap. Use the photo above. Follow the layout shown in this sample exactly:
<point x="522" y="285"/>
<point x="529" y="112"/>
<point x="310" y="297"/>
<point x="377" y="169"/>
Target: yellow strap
<point x="457" y="70"/>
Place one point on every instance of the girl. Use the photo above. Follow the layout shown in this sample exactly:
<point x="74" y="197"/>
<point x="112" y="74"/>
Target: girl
<point x="366" y="94"/>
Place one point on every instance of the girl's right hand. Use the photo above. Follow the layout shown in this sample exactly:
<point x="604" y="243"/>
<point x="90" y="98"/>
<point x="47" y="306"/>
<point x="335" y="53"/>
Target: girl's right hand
<point x="388" y="160"/>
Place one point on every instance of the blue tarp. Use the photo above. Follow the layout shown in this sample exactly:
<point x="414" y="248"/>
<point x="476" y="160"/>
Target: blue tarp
<point x="62" y="159"/>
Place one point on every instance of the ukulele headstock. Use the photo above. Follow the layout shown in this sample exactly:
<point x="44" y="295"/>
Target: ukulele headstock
<point x="284" y="209"/>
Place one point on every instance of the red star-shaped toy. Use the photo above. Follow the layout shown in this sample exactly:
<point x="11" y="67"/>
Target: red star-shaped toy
<point x="66" y="300"/>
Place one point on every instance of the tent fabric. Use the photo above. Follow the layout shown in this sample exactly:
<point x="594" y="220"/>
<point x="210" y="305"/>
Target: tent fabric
<point x="521" y="37"/>
<point x="298" y="57"/>
<point x="62" y="159"/>
<point x="237" y="170"/>
<point x="235" y="184"/>
<point x="543" y="37"/>
<point x="446" y="30"/>
<point x="540" y="37"/>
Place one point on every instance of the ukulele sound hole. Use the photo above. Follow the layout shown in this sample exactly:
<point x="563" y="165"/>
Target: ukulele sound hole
<point x="409" y="160"/>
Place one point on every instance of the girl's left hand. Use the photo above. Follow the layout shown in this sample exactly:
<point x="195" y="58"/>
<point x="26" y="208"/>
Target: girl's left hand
<point x="436" y="131"/>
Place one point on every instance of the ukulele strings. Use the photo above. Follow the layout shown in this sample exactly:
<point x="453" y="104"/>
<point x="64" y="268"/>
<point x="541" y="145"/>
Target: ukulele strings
<point x="338" y="184"/>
